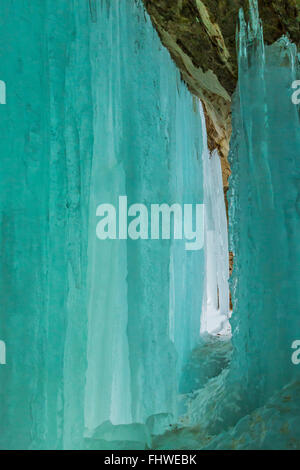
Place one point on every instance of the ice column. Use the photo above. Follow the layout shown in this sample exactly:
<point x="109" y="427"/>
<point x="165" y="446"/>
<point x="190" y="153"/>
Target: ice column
<point x="264" y="213"/>
<point x="96" y="333"/>
<point x="215" y="314"/>
<point x="145" y="296"/>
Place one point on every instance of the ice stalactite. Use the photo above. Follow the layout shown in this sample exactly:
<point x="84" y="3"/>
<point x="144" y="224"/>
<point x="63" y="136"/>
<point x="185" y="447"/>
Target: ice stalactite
<point x="145" y="296"/>
<point x="93" y="10"/>
<point x="264" y="212"/>
<point x="101" y="337"/>
<point x="215" y="312"/>
<point x="45" y="150"/>
<point x="253" y="403"/>
<point x="97" y="332"/>
<point x="264" y="237"/>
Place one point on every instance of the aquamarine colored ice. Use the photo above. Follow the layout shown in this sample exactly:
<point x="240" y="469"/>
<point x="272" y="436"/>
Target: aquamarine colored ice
<point x="97" y="332"/>
<point x="251" y="400"/>
<point x="145" y="296"/>
<point x="103" y="338"/>
<point x="264" y="213"/>
<point x="260" y="403"/>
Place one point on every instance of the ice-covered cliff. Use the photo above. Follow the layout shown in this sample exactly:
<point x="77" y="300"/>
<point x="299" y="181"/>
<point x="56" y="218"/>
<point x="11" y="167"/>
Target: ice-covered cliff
<point x="125" y="343"/>
<point x="144" y="296"/>
<point x="97" y="332"/>
<point x="264" y="214"/>
<point x="253" y="402"/>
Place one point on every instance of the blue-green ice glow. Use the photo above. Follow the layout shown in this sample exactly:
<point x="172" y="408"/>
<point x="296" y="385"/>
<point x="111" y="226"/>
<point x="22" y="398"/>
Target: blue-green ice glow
<point x="97" y="332"/>
<point x="254" y="403"/>
<point x="102" y="338"/>
<point x="148" y="145"/>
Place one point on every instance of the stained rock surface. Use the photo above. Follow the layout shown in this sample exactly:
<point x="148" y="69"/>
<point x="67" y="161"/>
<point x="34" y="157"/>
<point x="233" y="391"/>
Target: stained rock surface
<point x="201" y="38"/>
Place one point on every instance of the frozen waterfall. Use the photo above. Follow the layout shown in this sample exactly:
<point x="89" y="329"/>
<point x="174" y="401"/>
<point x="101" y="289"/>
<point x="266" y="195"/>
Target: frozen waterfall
<point x="128" y="342"/>
<point x="98" y="333"/>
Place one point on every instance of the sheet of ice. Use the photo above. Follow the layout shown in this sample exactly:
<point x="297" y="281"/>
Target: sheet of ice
<point x="215" y="312"/>
<point x="145" y="296"/>
<point x="253" y="403"/>
<point x="96" y="332"/>
<point x="264" y="212"/>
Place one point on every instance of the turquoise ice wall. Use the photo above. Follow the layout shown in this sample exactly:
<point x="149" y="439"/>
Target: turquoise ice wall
<point x="258" y="398"/>
<point x="96" y="332"/>
<point x="251" y="399"/>
<point x="146" y="301"/>
<point x="46" y="151"/>
<point x="264" y="213"/>
<point x="258" y="405"/>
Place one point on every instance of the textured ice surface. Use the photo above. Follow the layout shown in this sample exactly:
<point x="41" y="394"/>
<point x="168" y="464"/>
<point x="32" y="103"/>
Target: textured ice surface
<point x="102" y="336"/>
<point x="46" y="150"/>
<point x="215" y="311"/>
<point x="264" y="214"/>
<point x="144" y="297"/>
<point x="97" y="333"/>
<point x="254" y="402"/>
<point x="274" y="426"/>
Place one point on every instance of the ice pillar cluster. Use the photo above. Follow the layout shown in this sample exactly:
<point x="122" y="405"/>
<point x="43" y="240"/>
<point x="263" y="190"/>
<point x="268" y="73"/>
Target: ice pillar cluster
<point x="253" y="400"/>
<point x="254" y="403"/>
<point x="259" y="405"/>
<point x="97" y="332"/>
<point x="215" y="311"/>
<point x="264" y="212"/>
<point x="144" y="296"/>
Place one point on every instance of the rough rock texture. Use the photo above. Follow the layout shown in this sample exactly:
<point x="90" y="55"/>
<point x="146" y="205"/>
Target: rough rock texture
<point x="200" y="35"/>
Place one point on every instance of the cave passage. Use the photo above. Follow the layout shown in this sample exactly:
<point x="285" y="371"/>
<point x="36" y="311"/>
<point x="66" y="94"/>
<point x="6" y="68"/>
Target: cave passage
<point x="129" y="341"/>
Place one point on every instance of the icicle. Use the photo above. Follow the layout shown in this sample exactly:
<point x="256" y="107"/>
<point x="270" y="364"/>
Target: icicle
<point x="215" y="312"/>
<point x="93" y="10"/>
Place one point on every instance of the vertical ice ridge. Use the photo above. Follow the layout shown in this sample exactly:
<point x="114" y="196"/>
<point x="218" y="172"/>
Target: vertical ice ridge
<point x="144" y="311"/>
<point x="215" y="311"/>
<point x="263" y="213"/>
<point x="93" y="10"/>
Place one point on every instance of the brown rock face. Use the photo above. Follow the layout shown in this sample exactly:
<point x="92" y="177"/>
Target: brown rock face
<point x="200" y="36"/>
